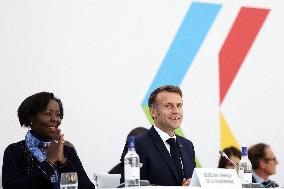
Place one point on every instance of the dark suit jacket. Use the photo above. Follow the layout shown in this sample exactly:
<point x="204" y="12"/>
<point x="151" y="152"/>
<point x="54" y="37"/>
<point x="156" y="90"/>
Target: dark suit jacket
<point x="273" y="184"/>
<point x="158" y="166"/>
<point x="116" y="169"/>
<point x="21" y="170"/>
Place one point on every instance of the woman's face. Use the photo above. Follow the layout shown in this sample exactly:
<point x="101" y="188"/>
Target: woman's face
<point x="235" y="159"/>
<point x="46" y="123"/>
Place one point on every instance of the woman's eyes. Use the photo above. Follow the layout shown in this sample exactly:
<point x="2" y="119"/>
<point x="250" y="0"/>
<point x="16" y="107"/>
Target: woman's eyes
<point x="51" y="114"/>
<point x="47" y="113"/>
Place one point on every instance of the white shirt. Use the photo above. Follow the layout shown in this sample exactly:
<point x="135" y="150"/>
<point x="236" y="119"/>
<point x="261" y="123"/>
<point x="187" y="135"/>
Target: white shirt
<point x="164" y="136"/>
<point x="258" y="179"/>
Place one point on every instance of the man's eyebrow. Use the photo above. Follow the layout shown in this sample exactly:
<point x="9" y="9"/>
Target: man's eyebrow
<point x="166" y="102"/>
<point x="173" y="103"/>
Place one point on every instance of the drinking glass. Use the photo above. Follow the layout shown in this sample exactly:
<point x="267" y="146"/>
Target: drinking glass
<point x="69" y="180"/>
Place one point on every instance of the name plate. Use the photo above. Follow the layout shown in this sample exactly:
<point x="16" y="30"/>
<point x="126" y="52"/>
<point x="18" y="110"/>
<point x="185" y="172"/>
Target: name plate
<point x="215" y="178"/>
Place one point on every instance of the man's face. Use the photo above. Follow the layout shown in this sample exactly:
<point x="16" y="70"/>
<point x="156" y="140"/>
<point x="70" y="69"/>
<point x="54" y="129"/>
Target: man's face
<point x="167" y="111"/>
<point x="270" y="162"/>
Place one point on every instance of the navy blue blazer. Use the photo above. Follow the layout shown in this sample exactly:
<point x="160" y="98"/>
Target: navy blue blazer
<point x="21" y="170"/>
<point x="158" y="166"/>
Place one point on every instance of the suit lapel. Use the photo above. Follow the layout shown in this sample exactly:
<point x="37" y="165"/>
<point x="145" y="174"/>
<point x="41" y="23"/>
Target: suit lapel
<point x="163" y="150"/>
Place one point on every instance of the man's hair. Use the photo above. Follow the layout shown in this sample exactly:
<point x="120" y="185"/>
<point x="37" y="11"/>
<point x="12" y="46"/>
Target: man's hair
<point x="34" y="104"/>
<point x="230" y="151"/>
<point x="257" y="153"/>
<point x="168" y="88"/>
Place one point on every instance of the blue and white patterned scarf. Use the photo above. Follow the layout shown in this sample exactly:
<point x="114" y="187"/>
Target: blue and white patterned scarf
<point x="34" y="144"/>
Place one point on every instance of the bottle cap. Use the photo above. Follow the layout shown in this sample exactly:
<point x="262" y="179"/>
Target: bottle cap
<point x="244" y="150"/>
<point x="131" y="142"/>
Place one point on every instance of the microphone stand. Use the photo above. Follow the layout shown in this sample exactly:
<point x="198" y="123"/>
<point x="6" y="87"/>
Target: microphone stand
<point x="223" y="154"/>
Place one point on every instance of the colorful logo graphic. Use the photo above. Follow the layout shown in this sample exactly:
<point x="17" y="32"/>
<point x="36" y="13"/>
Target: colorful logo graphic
<point x="188" y="40"/>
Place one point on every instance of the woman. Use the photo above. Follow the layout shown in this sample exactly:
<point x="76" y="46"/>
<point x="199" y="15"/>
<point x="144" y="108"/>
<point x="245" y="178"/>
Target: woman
<point x="234" y="154"/>
<point x="38" y="161"/>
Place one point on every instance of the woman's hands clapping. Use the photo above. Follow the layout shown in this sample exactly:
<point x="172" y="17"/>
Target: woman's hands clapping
<point x="55" y="152"/>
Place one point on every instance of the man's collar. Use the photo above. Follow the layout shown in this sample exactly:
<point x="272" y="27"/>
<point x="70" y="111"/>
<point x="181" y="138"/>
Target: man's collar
<point x="164" y="136"/>
<point x="257" y="178"/>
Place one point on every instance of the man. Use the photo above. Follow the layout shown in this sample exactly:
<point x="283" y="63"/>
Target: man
<point x="165" y="162"/>
<point x="263" y="163"/>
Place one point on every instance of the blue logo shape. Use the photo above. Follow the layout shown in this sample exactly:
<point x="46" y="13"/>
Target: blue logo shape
<point x="185" y="46"/>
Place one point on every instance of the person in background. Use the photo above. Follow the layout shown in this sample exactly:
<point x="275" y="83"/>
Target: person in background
<point x="168" y="159"/>
<point x="138" y="131"/>
<point x="234" y="154"/>
<point x="38" y="160"/>
<point x="264" y="164"/>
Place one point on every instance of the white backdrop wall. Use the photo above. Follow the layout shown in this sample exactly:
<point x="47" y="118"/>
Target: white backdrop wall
<point x="100" y="58"/>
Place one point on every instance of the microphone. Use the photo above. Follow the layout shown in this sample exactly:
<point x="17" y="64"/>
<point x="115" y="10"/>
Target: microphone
<point x="223" y="154"/>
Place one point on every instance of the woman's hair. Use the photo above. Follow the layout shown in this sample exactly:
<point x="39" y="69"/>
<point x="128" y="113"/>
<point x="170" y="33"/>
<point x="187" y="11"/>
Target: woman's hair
<point x="230" y="151"/>
<point x="34" y="104"/>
